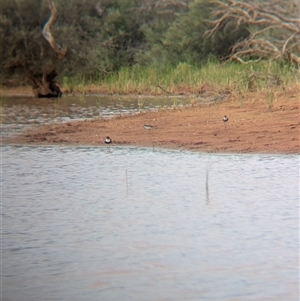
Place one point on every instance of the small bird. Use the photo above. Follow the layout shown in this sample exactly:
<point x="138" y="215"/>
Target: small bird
<point x="148" y="126"/>
<point x="225" y="119"/>
<point x="107" y="140"/>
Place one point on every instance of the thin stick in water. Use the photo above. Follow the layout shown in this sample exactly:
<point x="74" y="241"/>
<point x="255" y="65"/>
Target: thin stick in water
<point x="207" y="185"/>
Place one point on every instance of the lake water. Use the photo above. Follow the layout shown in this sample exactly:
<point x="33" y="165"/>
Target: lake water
<point x="20" y="112"/>
<point x="97" y="223"/>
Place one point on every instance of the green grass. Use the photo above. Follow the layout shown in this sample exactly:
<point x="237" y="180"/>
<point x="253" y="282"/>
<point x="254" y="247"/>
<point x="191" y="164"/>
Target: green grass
<point x="146" y="79"/>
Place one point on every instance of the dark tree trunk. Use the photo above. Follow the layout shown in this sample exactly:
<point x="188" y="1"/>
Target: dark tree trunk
<point x="44" y="86"/>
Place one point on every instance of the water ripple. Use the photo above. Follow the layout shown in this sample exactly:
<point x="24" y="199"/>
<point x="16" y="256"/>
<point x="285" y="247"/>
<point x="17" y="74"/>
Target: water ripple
<point x="88" y="223"/>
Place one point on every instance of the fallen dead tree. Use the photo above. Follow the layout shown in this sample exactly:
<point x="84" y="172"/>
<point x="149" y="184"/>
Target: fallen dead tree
<point x="273" y="25"/>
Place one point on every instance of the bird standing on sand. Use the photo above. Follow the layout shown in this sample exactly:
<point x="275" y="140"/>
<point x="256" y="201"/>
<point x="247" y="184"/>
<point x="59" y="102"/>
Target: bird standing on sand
<point x="225" y="119"/>
<point x="148" y="126"/>
<point x="107" y="140"/>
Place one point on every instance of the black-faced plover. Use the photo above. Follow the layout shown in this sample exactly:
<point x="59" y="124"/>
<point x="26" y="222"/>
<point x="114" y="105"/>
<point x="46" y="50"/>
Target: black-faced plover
<point x="225" y="119"/>
<point x="107" y="140"/>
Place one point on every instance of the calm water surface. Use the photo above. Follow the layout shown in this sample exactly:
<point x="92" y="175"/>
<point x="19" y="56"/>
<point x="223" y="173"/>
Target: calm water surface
<point x="136" y="224"/>
<point x="18" y="113"/>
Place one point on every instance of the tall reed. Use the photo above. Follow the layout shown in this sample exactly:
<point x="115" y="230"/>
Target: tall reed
<point x="154" y="80"/>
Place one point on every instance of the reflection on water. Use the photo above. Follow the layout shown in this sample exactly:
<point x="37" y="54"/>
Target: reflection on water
<point x="136" y="224"/>
<point x="19" y="112"/>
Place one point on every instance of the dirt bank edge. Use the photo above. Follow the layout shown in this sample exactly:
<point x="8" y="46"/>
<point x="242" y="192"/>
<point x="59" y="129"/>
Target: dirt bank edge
<point x="252" y="128"/>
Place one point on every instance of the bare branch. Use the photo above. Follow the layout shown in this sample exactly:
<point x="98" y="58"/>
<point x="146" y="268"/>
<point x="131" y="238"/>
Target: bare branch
<point x="99" y="10"/>
<point x="286" y="42"/>
<point x="237" y="58"/>
<point x="295" y="58"/>
<point x="270" y="22"/>
<point x="48" y="35"/>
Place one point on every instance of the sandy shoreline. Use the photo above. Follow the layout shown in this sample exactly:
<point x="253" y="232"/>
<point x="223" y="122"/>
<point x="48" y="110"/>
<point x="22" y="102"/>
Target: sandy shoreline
<point x="252" y="128"/>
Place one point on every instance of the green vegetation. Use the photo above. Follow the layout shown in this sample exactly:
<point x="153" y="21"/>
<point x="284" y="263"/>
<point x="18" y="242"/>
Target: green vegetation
<point x="189" y="78"/>
<point x="143" y="46"/>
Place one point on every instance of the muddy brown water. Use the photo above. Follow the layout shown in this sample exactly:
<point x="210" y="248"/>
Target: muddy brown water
<point x="18" y="113"/>
<point x="120" y="223"/>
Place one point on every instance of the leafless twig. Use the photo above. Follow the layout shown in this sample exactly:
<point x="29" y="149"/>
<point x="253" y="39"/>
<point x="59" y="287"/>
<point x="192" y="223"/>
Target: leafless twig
<point x="274" y="28"/>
